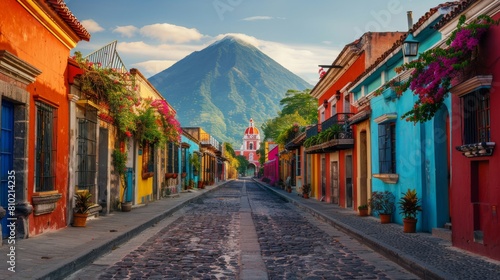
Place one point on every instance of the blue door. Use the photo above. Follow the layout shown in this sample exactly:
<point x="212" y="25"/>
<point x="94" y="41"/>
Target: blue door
<point x="130" y="185"/>
<point x="6" y="156"/>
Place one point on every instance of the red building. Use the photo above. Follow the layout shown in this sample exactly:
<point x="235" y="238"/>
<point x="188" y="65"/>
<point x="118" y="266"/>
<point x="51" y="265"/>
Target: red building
<point x="475" y="129"/>
<point x="251" y="143"/>
<point x="35" y="42"/>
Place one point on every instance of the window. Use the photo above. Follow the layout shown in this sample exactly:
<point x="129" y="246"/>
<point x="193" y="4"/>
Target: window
<point x="86" y="154"/>
<point x="148" y="166"/>
<point x="298" y="165"/>
<point x="476" y="116"/>
<point x="387" y="148"/>
<point x="173" y="158"/>
<point x="45" y="147"/>
<point x="347" y="104"/>
<point x="184" y="160"/>
<point x="333" y="111"/>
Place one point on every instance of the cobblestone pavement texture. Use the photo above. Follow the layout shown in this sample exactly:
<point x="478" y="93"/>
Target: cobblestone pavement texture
<point x="427" y="256"/>
<point x="54" y="255"/>
<point x="294" y="247"/>
<point x="203" y="244"/>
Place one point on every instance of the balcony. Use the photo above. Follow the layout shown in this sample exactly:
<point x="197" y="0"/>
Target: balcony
<point x="209" y="142"/>
<point x="335" y="134"/>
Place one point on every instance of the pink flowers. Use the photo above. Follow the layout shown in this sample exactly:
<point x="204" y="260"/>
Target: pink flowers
<point x="435" y="68"/>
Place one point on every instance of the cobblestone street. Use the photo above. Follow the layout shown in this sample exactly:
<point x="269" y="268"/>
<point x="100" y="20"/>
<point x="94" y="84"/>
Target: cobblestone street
<point x="204" y="241"/>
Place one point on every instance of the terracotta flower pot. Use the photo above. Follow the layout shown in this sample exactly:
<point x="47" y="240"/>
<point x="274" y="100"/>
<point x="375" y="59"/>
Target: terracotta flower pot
<point x="363" y="212"/>
<point x="126" y="206"/>
<point x="79" y="219"/>
<point x="409" y="225"/>
<point x="385" y="218"/>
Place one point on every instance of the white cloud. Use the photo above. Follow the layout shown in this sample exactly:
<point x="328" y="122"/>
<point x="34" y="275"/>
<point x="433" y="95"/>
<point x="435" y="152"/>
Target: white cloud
<point x="166" y="32"/>
<point x="150" y="67"/>
<point x="91" y="25"/>
<point x="126" y="31"/>
<point x="146" y="51"/>
<point x="254" y="18"/>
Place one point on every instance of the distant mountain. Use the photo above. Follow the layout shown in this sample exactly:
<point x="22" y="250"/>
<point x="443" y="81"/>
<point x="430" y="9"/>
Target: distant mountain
<point x="224" y="85"/>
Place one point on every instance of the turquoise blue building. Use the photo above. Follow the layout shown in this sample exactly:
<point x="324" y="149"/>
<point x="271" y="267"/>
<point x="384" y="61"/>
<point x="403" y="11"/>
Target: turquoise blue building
<point x="405" y="155"/>
<point x="189" y="146"/>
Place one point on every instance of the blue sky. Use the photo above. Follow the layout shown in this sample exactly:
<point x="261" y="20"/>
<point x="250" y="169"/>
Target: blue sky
<point x="154" y="34"/>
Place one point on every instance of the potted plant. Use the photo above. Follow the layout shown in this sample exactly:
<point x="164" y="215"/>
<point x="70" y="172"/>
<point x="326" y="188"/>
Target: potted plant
<point x="409" y="204"/>
<point x="383" y="203"/>
<point x="81" y="210"/>
<point x="363" y="210"/>
<point x="306" y="189"/>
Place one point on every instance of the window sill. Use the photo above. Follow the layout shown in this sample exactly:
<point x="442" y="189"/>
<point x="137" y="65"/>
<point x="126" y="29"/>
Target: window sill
<point x="45" y="202"/>
<point x="387" y="178"/>
<point x="477" y="149"/>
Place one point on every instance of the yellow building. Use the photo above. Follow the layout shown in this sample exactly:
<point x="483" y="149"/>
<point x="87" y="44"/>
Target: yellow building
<point x="149" y="172"/>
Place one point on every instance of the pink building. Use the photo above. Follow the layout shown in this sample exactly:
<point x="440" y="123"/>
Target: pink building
<point x="271" y="166"/>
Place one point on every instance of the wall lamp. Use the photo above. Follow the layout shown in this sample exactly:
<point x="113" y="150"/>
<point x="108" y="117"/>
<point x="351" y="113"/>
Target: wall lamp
<point x="410" y="44"/>
<point x="325" y="103"/>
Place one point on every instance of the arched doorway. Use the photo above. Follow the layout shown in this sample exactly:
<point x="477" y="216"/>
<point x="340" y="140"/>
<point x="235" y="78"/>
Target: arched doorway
<point x="251" y="170"/>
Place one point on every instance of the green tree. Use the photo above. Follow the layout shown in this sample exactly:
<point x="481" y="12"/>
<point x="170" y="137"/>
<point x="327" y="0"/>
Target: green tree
<point x="301" y="102"/>
<point x="229" y="148"/>
<point x="234" y="164"/>
<point x="243" y="164"/>
<point x="272" y="128"/>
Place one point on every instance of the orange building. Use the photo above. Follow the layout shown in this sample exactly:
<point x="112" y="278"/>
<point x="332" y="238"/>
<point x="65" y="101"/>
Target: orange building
<point x="35" y="42"/>
<point x="335" y="170"/>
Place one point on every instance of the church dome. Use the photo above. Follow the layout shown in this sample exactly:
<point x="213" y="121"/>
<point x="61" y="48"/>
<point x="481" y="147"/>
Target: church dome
<point x="251" y="129"/>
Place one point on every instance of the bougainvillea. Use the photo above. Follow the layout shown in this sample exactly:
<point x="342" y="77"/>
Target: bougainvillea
<point x="113" y="90"/>
<point x="171" y="125"/>
<point x="394" y="84"/>
<point x="435" y="69"/>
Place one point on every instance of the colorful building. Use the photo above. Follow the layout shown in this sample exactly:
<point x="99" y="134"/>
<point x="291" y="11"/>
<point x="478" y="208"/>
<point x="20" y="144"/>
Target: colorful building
<point x="332" y="162"/>
<point x="271" y="165"/>
<point x="251" y="143"/>
<point x="405" y="155"/>
<point x="190" y="149"/>
<point x="475" y="179"/>
<point x="211" y="155"/>
<point x="36" y="40"/>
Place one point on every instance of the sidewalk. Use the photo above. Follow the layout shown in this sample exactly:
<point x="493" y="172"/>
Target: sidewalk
<point x="424" y="255"/>
<point x="54" y="255"/>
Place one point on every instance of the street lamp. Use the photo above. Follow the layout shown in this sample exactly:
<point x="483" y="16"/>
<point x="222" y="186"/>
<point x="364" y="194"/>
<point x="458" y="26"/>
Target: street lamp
<point x="410" y="44"/>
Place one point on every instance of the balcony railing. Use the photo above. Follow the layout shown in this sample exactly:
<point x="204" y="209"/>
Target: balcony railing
<point x="312" y="131"/>
<point x="207" y="140"/>
<point x="340" y="118"/>
<point x="339" y="140"/>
